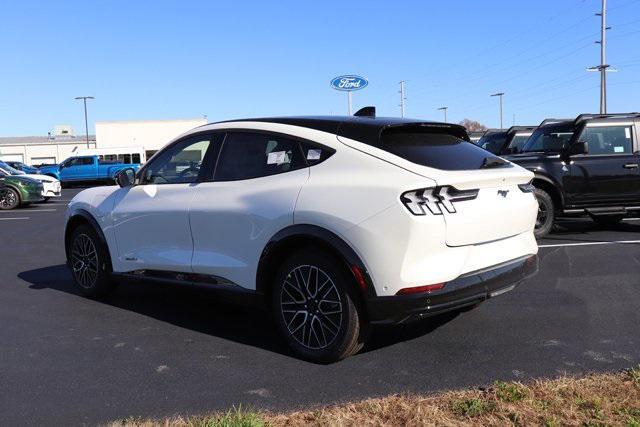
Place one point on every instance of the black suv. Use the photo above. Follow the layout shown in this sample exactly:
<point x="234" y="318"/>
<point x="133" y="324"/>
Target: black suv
<point x="503" y="142"/>
<point x="585" y="166"/>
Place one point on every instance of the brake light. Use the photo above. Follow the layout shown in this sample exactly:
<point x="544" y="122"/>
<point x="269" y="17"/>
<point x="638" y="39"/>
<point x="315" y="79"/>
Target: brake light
<point x="434" y="199"/>
<point x="420" y="289"/>
<point x="527" y="188"/>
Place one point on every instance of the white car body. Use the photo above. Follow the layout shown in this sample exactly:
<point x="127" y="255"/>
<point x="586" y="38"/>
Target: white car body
<point x="51" y="186"/>
<point x="221" y="229"/>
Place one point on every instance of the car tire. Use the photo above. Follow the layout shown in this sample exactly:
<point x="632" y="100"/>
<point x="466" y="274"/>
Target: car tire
<point x="320" y="325"/>
<point x="546" y="213"/>
<point x="607" y="220"/>
<point x="46" y="199"/>
<point x="88" y="259"/>
<point x="9" y="198"/>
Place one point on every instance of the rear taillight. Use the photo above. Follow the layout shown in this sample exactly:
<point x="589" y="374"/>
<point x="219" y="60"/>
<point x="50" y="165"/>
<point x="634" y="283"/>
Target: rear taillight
<point x="420" y="289"/>
<point x="526" y="188"/>
<point x="435" y="198"/>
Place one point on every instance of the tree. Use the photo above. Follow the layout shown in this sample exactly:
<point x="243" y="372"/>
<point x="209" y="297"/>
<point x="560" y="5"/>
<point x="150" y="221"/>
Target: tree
<point x="472" y="125"/>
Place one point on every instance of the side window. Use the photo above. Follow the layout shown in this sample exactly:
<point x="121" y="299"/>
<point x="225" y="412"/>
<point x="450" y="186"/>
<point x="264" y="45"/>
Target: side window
<point x="248" y="155"/>
<point x="608" y="139"/>
<point x="180" y="164"/>
<point x="135" y="158"/>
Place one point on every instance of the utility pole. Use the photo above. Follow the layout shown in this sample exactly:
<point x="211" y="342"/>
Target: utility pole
<point x="603" y="67"/>
<point x="402" y="98"/>
<point x="86" y="124"/>
<point x="445" y="112"/>
<point x="500" y="94"/>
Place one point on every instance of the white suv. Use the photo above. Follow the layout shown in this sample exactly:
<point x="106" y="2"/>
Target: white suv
<point x="333" y="223"/>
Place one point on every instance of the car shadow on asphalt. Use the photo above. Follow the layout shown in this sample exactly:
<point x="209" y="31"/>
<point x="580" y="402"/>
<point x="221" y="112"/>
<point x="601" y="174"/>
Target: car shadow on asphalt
<point x="198" y="310"/>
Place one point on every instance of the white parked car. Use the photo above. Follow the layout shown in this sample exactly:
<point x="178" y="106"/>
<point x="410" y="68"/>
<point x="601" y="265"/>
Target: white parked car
<point x="333" y="223"/>
<point x="51" y="186"/>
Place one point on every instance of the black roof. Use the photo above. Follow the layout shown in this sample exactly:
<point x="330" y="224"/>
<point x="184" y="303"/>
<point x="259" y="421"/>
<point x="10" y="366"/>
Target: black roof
<point x="363" y="129"/>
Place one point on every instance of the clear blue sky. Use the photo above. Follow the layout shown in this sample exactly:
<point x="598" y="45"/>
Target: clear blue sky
<point x="179" y="59"/>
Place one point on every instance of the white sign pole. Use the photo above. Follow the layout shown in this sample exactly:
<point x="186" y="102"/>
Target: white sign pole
<point x="349" y="97"/>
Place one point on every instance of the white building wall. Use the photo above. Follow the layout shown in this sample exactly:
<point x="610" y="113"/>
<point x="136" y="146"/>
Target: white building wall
<point x="152" y="135"/>
<point x="54" y="152"/>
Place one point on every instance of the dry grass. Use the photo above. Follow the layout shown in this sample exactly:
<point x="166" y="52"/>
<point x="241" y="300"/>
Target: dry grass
<point x="594" y="400"/>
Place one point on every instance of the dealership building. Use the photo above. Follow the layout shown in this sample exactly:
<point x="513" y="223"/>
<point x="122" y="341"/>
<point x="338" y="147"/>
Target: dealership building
<point x="143" y="136"/>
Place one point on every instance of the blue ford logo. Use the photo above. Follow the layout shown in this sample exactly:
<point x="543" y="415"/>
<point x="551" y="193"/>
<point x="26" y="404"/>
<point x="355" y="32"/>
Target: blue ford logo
<point x="349" y="83"/>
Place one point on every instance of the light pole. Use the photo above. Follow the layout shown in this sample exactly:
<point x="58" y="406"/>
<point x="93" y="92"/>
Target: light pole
<point x="603" y="68"/>
<point x="403" y="98"/>
<point x="500" y="94"/>
<point x="445" y="112"/>
<point x="86" y="125"/>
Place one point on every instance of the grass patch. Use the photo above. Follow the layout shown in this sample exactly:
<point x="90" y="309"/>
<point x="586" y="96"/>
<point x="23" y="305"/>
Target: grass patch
<point x="593" y="400"/>
<point x="510" y="392"/>
<point x="471" y="407"/>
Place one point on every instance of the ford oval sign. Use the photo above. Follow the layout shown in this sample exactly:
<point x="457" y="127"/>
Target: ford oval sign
<point x="349" y="83"/>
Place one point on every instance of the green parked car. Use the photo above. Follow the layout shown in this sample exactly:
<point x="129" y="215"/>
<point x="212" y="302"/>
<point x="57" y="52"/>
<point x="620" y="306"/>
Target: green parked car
<point x="16" y="190"/>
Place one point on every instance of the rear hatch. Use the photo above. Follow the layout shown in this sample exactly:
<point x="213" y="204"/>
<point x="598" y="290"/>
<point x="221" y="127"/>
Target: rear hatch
<point x="480" y="194"/>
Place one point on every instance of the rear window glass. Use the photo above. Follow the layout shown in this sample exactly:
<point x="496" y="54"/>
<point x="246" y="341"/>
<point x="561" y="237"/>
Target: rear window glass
<point x="433" y="148"/>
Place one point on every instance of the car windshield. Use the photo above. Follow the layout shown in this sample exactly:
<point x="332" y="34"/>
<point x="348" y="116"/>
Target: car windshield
<point x="9" y="170"/>
<point x="493" y="142"/>
<point x="518" y="142"/>
<point x="548" y="140"/>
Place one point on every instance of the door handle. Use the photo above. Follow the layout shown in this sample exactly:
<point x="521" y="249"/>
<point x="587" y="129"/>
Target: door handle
<point x="630" y="166"/>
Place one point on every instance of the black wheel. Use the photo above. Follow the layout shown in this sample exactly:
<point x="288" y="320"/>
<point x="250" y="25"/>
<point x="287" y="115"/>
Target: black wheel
<point x="607" y="220"/>
<point x="88" y="260"/>
<point x="546" y="213"/>
<point x="46" y="199"/>
<point x="9" y="198"/>
<point x="316" y="308"/>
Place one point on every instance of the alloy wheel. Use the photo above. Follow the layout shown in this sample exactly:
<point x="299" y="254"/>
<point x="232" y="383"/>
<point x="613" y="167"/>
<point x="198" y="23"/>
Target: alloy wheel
<point x="8" y="198"/>
<point x="311" y="307"/>
<point x="84" y="259"/>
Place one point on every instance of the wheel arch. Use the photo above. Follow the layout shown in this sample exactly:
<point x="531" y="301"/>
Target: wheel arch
<point x="294" y="237"/>
<point x="83" y="217"/>
<point x="547" y="184"/>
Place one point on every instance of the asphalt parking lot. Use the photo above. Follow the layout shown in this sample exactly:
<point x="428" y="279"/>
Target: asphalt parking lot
<point x="158" y="350"/>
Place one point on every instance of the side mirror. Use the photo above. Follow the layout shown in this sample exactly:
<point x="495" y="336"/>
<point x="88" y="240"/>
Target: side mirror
<point x="126" y="177"/>
<point x="580" y="147"/>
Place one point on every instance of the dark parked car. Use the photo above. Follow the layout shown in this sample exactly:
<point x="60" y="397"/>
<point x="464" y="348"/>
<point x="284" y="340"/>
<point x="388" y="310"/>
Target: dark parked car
<point x="589" y="165"/>
<point x="22" y="167"/>
<point x="504" y="142"/>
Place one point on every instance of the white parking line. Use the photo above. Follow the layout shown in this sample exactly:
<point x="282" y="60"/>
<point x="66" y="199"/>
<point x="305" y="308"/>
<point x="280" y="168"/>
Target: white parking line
<point x="13" y="219"/>
<point x="32" y="210"/>
<point x="614" y="242"/>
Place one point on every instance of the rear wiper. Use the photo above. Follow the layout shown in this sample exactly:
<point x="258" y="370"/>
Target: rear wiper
<point x="493" y="162"/>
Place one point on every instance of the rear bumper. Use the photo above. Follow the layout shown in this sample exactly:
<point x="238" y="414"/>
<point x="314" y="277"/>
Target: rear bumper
<point x="468" y="289"/>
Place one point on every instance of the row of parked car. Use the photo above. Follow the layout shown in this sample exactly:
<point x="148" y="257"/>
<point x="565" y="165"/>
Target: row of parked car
<point x="21" y="184"/>
<point x="583" y="166"/>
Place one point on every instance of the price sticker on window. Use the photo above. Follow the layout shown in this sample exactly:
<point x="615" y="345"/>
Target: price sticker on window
<point x="276" y="157"/>
<point x="627" y="133"/>
<point x="314" y="154"/>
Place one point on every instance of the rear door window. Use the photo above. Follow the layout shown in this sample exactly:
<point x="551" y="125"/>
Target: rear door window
<point x="247" y="155"/>
<point x="434" y="148"/>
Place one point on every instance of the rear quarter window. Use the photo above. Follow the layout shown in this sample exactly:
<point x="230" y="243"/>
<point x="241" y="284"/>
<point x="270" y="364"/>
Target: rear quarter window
<point x="434" y="148"/>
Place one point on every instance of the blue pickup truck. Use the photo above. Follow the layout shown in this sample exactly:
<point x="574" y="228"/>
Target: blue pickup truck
<point x="86" y="168"/>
